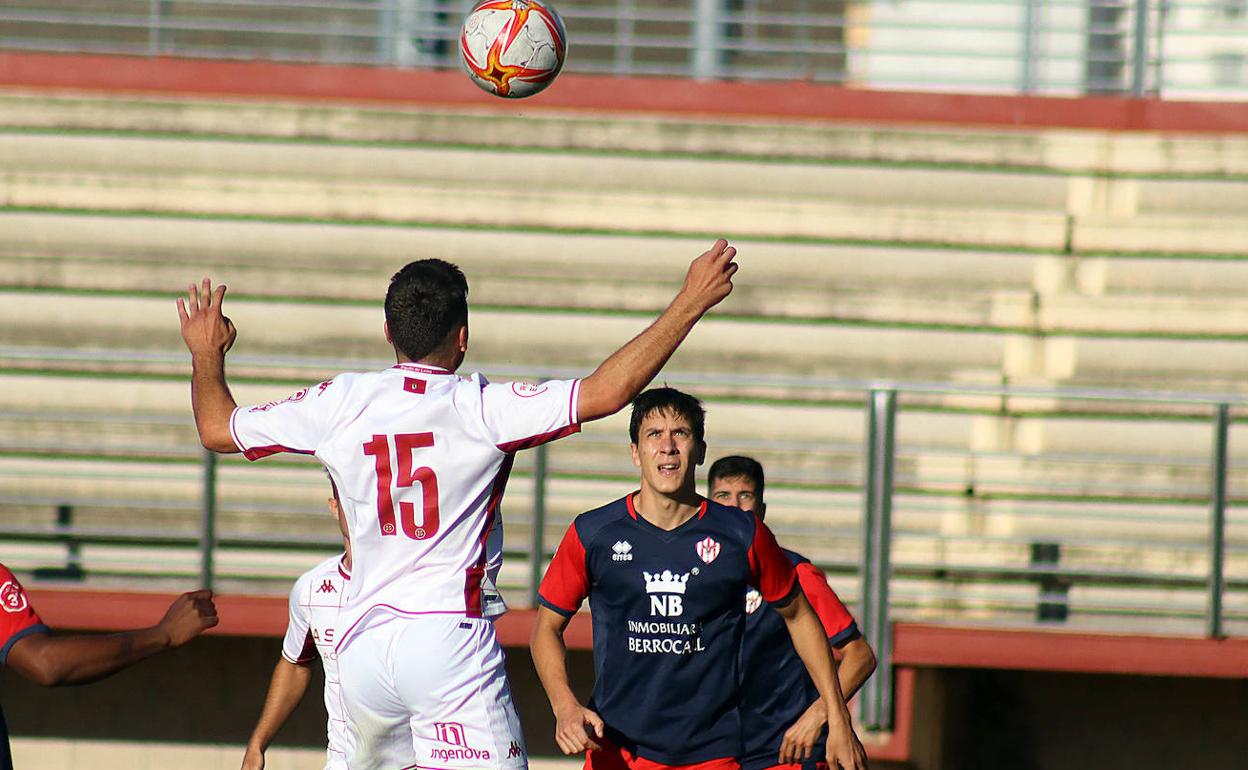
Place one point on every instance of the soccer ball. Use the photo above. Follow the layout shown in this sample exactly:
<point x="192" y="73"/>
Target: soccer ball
<point x="512" y="48"/>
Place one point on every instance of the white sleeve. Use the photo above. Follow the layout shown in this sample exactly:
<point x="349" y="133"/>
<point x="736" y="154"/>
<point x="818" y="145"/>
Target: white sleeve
<point x="297" y="423"/>
<point x="298" y="646"/>
<point x="519" y="415"/>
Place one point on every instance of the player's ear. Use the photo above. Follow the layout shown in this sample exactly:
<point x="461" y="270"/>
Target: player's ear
<point x="636" y="457"/>
<point x="386" y="328"/>
<point x="462" y="338"/>
<point x="760" y="510"/>
<point x="334" y="510"/>
<point x="699" y="453"/>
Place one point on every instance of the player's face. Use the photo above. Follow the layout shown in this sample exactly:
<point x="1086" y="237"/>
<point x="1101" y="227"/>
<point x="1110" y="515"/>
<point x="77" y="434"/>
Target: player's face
<point x="737" y="491"/>
<point x="667" y="453"/>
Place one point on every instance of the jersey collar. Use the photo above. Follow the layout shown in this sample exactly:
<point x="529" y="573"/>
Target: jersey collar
<point x="421" y="369"/>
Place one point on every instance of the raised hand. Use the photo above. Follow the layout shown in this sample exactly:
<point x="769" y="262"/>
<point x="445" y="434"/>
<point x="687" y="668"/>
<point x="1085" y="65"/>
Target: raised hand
<point x="204" y="329"/>
<point x="709" y="279"/>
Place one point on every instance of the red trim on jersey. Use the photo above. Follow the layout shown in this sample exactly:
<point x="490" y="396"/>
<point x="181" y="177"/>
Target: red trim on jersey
<point x="256" y="453"/>
<point x="538" y="440"/>
<point x="238" y="444"/>
<point x="476" y="573"/>
<point x="16" y="612"/>
<point x="422" y="369"/>
<point x="566" y="583"/>
<point x="628" y="501"/>
<point x="612" y="757"/>
<point x="770" y="569"/>
<point x="308" y="653"/>
<point x="832" y="614"/>
<point x="702" y="508"/>
<point x="342" y="570"/>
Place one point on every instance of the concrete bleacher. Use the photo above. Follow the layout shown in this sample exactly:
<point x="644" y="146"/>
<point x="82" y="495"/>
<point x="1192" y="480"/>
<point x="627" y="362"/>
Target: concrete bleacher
<point x="974" y="257"/>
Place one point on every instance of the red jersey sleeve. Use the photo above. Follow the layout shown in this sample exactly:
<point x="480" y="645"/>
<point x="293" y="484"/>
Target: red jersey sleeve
<point x="770" y="570"/>
<point x="566" y="584"/>
<point x="17" y="618"/>
<point x="838" y="624"/>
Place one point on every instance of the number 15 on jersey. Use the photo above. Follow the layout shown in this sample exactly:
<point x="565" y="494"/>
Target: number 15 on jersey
<point x="404" y="446"/>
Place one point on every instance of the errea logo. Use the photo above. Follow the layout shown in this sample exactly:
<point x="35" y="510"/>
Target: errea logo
<point x="622" y="551"/>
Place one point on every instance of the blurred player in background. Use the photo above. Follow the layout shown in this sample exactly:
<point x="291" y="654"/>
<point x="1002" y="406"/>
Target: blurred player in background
<point x="317" y="596"/>
<point x="665" y="571"/>
<point x="420" y="457"/>
<point x="782" y="720"/>
<point x="28" y="647"/>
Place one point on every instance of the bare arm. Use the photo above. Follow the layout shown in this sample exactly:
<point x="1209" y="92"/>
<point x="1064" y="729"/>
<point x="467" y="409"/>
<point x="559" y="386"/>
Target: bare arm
<point x="286" y="689"/>
<point x="209" y="335"/>
<point x="856" y="666"/>
<point x="573" y="722"/>
<point x="808" y="637"/>
<point x="52" y="661"/>
<point x="627" y="371"/>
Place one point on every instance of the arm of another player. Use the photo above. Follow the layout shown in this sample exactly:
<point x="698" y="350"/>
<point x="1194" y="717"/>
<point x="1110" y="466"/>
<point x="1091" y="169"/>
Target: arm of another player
<point x="209" y="335"/>
<point x="573" y="722"/>
<point x="619" y="379"/>
<point x="286" y="689"/>
<point x="61" y="660"/>
<point x="843" y="748"/>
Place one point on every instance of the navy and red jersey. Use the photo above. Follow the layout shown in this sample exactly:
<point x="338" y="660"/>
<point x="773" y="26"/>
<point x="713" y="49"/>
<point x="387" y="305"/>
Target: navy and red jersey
<point x="17" y="620"/>
<point x="668" y="621"/>
<point x="775" y="686"/>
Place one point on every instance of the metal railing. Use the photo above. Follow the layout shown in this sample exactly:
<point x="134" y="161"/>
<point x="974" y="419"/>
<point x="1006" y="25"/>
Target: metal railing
<point x="1171" y="48"/>
<point x="1038" y="528"/>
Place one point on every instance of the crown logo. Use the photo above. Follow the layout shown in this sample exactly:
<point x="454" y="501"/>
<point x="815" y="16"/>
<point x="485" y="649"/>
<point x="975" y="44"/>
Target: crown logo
<point x="666" y="582"/>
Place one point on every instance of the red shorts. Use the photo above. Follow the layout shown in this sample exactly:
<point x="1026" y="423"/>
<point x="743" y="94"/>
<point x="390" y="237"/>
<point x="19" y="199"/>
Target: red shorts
<point x="798" y="766"/>
<point x="612" y="757"/>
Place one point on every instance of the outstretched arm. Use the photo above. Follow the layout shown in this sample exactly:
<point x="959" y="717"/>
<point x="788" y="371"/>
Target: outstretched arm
<point x="52" y="661"/>
<point x="807" y="632"/>
<point x="286" y="689"/>
<point x="575" y="726"/>
<point x="622" y="376"/>
<point x="209" y="335"/>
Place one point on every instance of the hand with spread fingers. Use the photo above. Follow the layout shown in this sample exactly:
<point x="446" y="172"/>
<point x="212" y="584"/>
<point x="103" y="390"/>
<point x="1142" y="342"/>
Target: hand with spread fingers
<point x="204" y="329"/>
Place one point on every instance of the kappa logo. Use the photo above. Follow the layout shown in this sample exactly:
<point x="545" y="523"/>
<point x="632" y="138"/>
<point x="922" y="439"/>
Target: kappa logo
<point x="327" y="587"/>
<point x="707" y="550"/>
<point x="12" y="597"/>
<point x="622" y="551"/>
<point x="515" y="750"/>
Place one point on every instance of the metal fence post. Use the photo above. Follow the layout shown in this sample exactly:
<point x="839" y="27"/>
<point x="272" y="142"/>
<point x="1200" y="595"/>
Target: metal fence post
<point x="153" y="27"/>
<point x="1139" y="60"/>
<point x="708" y="39"/>
<point x="1217" y="522"/>
<point x="537" y="542"/>
<point x="1030" y="13"/>
<point x="208" y="521"/>
<point x="877" y="693"/>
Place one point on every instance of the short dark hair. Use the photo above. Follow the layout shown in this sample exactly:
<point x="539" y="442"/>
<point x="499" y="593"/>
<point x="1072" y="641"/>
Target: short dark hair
<point x="426" y="301"/>
<point x="667" y="399"/>
<point x="737" y="465"/>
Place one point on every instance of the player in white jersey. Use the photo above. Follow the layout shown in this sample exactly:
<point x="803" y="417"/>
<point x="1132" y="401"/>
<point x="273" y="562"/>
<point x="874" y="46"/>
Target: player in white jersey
<point x="315" y="601"/>
<point x="420" y="457"/>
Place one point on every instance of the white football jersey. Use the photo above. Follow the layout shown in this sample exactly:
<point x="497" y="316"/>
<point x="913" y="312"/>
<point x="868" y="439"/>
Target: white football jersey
<point x="420" y="457"/>
<point x="315" y="603"/>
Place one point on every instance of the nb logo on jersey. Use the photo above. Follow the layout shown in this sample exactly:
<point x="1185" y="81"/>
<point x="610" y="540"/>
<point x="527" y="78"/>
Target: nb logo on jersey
<point x="327" y="587"/>
<point x="515" y="750"/>
<point x="666" y="590"/>
<point x="622" y="551"/>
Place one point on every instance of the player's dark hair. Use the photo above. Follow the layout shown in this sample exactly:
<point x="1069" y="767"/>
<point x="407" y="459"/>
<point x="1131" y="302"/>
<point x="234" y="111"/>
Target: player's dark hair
<point x="737" y="465"/>
<point x="426" y="301"/>
<point x="667" y="400"/>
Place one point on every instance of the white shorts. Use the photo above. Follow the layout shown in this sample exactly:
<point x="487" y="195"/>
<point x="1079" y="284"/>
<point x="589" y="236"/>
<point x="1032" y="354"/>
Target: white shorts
<point x="429" y="692"/>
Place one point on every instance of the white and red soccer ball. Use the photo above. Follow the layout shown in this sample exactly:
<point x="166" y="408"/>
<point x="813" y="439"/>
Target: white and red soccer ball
<point x="512" y="48"/>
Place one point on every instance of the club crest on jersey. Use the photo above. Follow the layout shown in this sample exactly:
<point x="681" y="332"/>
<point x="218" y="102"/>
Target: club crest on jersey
<point x="293" y="398"/>
<point x="12" y="597"/>
<point x="753" y="600"/>
<point x="526" y="390"/>
<point x="622" y="551"/>
<point x="707" y="550"/>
